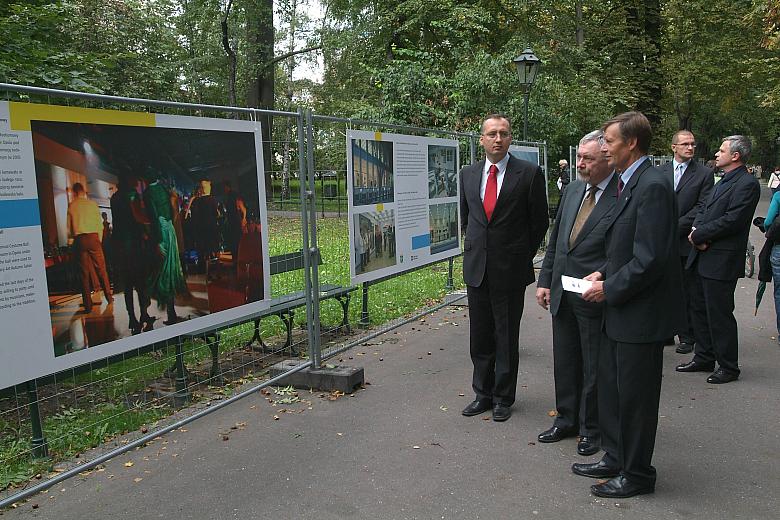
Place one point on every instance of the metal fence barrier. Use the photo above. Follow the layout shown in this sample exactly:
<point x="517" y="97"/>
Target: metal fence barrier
<point x="57" y="426"/>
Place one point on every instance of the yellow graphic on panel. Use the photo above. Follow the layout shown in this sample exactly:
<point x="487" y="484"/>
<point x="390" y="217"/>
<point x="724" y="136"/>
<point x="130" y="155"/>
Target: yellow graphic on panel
<point x="380" y="207"/>
<point x="23" y="113"/>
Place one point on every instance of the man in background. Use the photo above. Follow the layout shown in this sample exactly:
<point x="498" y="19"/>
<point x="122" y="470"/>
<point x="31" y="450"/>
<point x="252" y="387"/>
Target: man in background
<point x="692" y="186"/>
<point x="719" y="237"/>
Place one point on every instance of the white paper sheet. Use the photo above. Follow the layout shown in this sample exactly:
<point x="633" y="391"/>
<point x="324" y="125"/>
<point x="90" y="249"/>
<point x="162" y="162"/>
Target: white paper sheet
<point x="577" y="285"/>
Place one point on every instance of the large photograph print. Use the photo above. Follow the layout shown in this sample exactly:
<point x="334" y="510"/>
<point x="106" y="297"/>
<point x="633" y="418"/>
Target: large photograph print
<point x="144" y="228"/>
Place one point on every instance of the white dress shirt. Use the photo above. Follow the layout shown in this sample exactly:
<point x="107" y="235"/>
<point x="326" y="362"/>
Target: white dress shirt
<point x="499" y="176"/>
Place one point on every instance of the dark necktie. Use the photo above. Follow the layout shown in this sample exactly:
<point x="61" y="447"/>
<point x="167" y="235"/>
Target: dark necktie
<point x="621" y="185"/>
<point x="491" y="190"/>
<point x="585" y="210"/>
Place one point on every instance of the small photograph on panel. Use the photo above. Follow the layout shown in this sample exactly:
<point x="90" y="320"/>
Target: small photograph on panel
<point x="442" y="171"/>
<point x="444" y="227"/>
<point x="374" y="246"/>
<point x="372" y="172"/>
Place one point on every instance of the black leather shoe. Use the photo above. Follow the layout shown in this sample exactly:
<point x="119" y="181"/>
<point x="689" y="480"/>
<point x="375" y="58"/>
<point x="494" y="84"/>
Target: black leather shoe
<point x="501" y="413"/>
<point x="555" y="434"/>
<point x="595" y="470"/>
<point x="720" y="376"/>
<point x="693" y="366"/>
<point x="477" y="407"/>
<point x="620" y="487"/>
<point x="587" y="446"/>
<point x="684" y="348"/>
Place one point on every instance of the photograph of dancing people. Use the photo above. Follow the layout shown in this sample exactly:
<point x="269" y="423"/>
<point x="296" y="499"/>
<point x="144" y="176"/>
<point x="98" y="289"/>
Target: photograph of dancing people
<point x="145" y="227"/>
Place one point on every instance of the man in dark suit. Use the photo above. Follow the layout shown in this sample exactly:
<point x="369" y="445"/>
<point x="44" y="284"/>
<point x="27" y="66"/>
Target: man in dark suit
<point x="719" y="236"/>
<point x="576" y="249"/>
<point x="641" y="284"/>
<point x="503" y="207"/>
<point x="692" y="185"/>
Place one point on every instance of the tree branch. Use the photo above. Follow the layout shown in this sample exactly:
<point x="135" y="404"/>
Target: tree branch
<point x="286" y="55"/>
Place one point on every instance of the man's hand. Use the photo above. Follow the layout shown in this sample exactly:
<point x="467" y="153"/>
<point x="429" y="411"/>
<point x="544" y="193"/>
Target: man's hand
<point x="596" y="292"/>
<point x="594" y="277"/>
<point x="700" y="247"/>
<point x="543" y="297"/>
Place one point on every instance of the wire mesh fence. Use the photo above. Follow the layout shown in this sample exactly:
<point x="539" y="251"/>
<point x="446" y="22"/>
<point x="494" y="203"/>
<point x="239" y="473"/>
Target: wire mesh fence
<point x="57" y="425"/>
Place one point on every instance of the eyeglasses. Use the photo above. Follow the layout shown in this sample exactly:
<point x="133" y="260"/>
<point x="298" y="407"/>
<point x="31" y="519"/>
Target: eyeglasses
<point x="493" y="135"/>
<point x="685" y="145"/>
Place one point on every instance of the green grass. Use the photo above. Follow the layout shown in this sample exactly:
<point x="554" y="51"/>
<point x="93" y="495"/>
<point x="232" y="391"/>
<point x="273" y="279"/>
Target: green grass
<point x="93" y="407"/>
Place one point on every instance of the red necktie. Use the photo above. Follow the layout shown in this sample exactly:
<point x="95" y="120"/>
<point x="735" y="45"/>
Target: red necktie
<point x="620" y="187"/>
<point x="490" y="191"/>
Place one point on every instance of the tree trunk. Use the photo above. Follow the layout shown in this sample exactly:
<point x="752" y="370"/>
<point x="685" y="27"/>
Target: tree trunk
<point x="260" y="36"/>
<point x="289" y="95"/>
<point x="231" y="54"/>
<point x="579" y="31"/>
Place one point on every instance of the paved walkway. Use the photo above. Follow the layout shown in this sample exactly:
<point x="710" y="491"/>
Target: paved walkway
<point x="400" y="448"/>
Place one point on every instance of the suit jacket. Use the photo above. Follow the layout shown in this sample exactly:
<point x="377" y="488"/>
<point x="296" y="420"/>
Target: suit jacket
<point x="642" y="275"/>
<point x="506" y="245"/>
<point x="588" y="253"/>
<point x="693" y="191"/>
<point x="724" y="224"/>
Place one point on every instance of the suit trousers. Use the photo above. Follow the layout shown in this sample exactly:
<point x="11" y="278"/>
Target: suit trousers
<point x="92" y="264"/>
<point x="714" y="325"/>
<point x="687" y="335"/>
<point x="629" y="391"/>
<point x="495" y="309"/>
<point x="577" y="335"/>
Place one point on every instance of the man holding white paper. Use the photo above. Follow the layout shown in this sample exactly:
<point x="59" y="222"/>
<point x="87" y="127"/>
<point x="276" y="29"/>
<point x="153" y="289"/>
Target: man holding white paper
<point x="641" y="284"/>
<point x="576" y="249"/>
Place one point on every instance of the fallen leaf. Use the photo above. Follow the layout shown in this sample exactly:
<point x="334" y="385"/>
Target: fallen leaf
<point x="276" y="417"/>
<point x="443" y="408"/>
<point x="129" y="464"/>
<point x="552" y="413"/>
<point x="137" y="479"/>
<point x="415" y="447"/>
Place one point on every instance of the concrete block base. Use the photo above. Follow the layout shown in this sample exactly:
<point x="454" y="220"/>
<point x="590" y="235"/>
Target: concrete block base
<point x="342" y="378"/>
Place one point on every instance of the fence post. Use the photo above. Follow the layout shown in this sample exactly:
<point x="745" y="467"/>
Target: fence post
<point x="315" y="345"/>
<point x="364" y="312"/>
<point x="450" y="281"/>
<point x="181" y="396"/>
<point x="39" y="447"/>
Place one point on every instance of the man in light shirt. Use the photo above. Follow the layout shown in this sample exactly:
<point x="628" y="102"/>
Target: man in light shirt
<point x="85" y="227"/>
<point x="692" y="186"/>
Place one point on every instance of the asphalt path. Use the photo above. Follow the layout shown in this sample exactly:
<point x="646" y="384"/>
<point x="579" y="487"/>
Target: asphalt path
<point x="399" y="448"/>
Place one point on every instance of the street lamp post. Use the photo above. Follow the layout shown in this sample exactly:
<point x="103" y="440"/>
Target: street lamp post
<point x="527" y="67"/>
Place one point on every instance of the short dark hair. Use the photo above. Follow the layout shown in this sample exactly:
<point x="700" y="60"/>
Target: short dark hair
<point x="78" y="188"/>
<point x="678" y="133"/>
<point x="633" y="125"/>
<point x="495" y="115"/>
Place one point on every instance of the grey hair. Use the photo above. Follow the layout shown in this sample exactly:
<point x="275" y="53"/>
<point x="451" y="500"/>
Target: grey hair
<point x="596" y="135"/>
<point x="739" y="144"/>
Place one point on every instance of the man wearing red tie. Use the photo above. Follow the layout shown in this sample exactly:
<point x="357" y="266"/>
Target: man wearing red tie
<point x="503" y="207"/>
